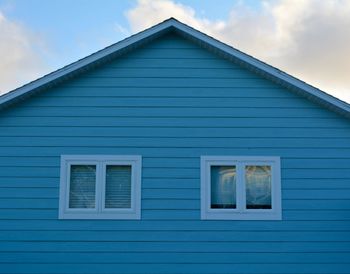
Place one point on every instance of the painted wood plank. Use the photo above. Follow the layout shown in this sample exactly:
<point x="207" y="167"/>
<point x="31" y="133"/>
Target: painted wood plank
<point x="188" y="214"/>
<point x="178" y="204"/>
<point x="185" y="258"/>
<point x="169" y="102"/>
<point x="174" y="236"/>
<point x="170" y="111"/>
<point x="130" y="92"/>
<point x="176" y="247"/>
<point x="219" y="73"/>
<point x="176" y="225"/>
<point x="175" y="132"/>
<point x="169" y="142"/>
<point x="170" y="121"/>
<point x="176" y="269"/>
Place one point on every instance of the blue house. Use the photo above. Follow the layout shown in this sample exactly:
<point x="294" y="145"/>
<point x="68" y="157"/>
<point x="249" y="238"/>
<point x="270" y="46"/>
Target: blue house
<point x="170" y="152"/>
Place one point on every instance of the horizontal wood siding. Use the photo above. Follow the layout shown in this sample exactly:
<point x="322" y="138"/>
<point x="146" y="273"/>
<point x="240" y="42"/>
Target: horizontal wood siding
<point x="171" y="102"/>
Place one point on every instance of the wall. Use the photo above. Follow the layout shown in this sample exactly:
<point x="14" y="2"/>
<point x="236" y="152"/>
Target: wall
<point x="172" y="102"/>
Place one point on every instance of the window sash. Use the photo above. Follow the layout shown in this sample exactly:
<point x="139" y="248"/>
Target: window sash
<point x="133" y="178"/>
<point x="241" y="199"/>
<point x="83" y="186"/>
<point x="240" y="212"/>
<point x="68" y="183"/>
<point x="100" y="212"/>
<point x="255" y="184"/>
<point x="223" y="190"/>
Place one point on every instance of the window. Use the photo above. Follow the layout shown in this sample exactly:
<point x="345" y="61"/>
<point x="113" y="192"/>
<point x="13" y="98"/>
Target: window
<point x="100" y="187"/>
<point x="240" y="188"/>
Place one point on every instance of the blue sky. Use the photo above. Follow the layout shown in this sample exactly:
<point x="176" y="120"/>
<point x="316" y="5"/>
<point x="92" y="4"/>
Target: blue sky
<point x="73" y="29"/>
<point x="38" y="36"/>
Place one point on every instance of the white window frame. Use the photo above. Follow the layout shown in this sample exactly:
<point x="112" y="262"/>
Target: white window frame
<point x="240" y="212"/>
<point x="100" y="212"/>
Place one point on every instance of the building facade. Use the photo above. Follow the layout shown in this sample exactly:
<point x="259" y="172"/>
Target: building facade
<point x="170" y="152"/>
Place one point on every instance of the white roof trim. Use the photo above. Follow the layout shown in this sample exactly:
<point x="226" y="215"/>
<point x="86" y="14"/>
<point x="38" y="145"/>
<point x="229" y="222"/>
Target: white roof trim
<point x="308" y="90"/>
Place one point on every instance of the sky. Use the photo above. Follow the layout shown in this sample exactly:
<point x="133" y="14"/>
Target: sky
<point x="309" y="39"/>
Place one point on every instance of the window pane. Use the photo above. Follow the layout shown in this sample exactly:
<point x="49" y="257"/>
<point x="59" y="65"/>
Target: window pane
<point x="118" y="187"/>
<point x="223" y="187"/>
<point x="82" y="186"/>
<point x="258" y="187"/>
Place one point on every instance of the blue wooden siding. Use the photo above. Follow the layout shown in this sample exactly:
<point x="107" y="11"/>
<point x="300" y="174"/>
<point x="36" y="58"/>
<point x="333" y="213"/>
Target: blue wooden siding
<point x="172" y="102"/>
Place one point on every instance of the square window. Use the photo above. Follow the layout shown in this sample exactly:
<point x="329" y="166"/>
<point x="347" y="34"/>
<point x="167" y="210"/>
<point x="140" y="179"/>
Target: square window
<point x="100" y="187"/>
<point x="240" y="188"/>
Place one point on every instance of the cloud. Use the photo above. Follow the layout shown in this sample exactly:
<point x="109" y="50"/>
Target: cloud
<point x="309" y="39"/>
<point x="21" y="55"/>
<point x="148" y="13"/>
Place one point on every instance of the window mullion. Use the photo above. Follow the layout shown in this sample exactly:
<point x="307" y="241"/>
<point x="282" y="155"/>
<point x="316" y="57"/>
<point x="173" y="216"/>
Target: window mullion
<point x="208" y="185"/>
<point x="99" y="186"/>
<point x="133" y="176"/>
<point x="68" y="185"/>
<point x="103" y="185"/>
<point x="241" y="202"/>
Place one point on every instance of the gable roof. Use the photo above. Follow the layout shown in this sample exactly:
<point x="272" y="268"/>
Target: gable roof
<point x="189" y="33"/>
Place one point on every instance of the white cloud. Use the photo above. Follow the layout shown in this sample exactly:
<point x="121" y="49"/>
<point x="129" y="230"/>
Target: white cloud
<point x="309" y="39"/>
<point x="148" y="13"/>
<point x="21" y="60"/>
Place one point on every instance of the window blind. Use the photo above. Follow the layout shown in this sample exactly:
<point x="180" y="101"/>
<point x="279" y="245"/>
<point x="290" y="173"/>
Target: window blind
<point x="118" y="187"/>
<point x="258" y="187"/>
<point x="82" y="186"/>
<point x="223" y="186"/>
